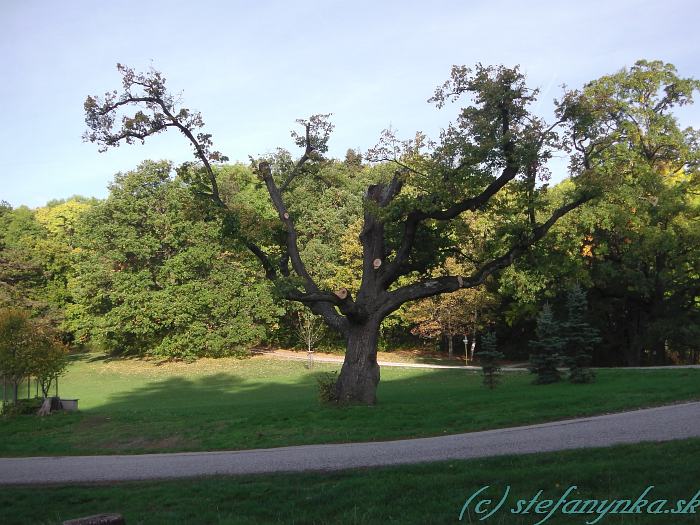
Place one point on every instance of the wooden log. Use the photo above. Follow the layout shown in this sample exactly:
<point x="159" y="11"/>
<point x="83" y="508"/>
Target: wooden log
<point x="98" y="519"/>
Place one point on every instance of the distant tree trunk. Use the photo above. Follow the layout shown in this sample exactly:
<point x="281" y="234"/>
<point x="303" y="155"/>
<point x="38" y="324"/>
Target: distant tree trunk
<point x="658" y="352"/>
<point x="359" y="376"/>
<point x="468" y="346"/>
<point x="633" y="348"/>
<point x="450" y="345"/>
<point x="633" y="352"/>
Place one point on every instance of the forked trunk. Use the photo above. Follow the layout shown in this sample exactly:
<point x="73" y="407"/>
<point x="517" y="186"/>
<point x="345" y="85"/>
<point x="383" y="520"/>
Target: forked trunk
<point x="358" y="379"/>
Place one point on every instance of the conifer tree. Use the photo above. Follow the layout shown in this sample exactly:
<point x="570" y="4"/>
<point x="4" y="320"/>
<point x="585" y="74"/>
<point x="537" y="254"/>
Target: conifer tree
<point x="580" y="337"/>
<point x="547" y="348"/>
<point x="489" y="358"/>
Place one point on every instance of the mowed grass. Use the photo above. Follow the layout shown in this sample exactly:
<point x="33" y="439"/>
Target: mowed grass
<point x="132" y="406"/>
<point x="421" y="494"/>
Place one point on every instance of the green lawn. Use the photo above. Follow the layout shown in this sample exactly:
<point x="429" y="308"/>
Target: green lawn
<point x="131" y="406"/>
<point x="422" y="494"/>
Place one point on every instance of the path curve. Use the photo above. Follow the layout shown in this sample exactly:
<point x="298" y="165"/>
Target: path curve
<point x="652" y="424"/>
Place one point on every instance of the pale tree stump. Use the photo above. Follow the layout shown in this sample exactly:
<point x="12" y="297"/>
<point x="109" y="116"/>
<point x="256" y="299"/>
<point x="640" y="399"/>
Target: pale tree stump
<point x="50" y="404"/>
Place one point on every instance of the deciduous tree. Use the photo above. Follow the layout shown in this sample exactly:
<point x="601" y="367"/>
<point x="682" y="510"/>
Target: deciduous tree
<point x="409" y="210"/>
<point x="152" y="277"/>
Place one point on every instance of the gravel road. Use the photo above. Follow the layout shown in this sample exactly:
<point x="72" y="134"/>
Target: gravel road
<point x="653" y="424"/>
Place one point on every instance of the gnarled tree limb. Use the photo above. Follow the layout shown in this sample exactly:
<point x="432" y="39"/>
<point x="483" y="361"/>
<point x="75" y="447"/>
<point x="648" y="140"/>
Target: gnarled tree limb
<point x="448" y="284"/>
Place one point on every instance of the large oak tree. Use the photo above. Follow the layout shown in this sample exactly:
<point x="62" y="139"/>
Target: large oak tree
<point x="487" y="161"/>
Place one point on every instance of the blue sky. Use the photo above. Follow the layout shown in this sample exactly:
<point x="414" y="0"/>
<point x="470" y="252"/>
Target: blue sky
<point x="252" y="68"/>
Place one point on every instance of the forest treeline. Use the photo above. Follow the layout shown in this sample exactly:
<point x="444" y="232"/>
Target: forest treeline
<point x="148" y="271"/>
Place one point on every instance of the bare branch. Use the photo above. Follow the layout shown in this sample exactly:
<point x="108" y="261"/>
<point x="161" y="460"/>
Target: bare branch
<point x="292" y="248"/>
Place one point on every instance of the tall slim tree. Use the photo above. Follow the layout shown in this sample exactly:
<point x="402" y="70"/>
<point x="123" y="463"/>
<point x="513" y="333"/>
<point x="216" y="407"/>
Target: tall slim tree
<point x="547" y="349"/>
<point x="489" y="358"/>
<point x="580" y="337"/>
<point x="495" y="143"/>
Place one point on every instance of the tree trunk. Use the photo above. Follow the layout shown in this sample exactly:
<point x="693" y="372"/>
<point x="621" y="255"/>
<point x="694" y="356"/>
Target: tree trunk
<point x="658" y="352"/>
<point x="359" y="376"/>
<point x="633" y="349"/>
<point x="450" y="345"/>
<point x="633" y="352"/>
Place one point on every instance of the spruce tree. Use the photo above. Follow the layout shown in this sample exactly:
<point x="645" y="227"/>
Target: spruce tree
<point x="580" y="337"/>
<point x="489" y="358"/>
<point x="547" y="348"/>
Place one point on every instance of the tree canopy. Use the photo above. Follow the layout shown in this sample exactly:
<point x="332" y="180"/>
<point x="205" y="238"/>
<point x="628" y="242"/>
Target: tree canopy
<point x="422" y="194"/>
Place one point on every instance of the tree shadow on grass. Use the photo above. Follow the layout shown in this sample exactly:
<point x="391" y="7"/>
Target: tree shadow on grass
<point x="217" y="411"/>
<point x="228" y="411"/>
<point x="177" y="413"/>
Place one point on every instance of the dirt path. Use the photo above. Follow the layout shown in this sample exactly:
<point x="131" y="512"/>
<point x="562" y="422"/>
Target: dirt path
<point x="319" y="357"/>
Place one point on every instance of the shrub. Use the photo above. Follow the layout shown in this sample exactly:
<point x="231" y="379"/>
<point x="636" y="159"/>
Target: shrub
<point x="22" y="407"/>
<point x="326" y="387"/>
<point x="28" y="348"/>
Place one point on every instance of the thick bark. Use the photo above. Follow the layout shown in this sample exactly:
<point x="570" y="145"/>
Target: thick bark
<point x="359" y="376"/>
